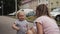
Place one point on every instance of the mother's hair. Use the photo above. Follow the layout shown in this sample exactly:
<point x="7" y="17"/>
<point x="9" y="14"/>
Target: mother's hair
<point x="41" y="10"/>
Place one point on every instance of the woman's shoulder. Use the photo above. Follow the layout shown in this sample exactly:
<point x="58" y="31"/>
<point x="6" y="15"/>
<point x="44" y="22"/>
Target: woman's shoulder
<point x="41" y="17"/>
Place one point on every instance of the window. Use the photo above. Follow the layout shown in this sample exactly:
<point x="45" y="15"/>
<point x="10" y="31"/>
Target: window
<point x="57" y="2"/>
<point x="51" y="3"/>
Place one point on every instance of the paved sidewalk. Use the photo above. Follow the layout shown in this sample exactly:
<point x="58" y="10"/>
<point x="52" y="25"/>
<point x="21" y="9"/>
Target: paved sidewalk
<point x="5" y="25"/>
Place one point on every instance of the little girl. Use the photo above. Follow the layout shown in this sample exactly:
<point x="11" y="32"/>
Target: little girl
<point x="20" y="25"/>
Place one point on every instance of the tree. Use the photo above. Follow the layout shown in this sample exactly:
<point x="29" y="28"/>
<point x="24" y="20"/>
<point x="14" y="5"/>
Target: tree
<point x="9" y="6"/>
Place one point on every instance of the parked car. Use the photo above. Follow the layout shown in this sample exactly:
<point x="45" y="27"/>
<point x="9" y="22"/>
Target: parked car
<point x="32" y="13"/>
<point x="12" y="14"/>
<point x="28" y="12"/>
<point x="56" y="14"/>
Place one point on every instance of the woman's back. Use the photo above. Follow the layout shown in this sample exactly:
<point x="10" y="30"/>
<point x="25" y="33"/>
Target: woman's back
<point x="49" y="25"/>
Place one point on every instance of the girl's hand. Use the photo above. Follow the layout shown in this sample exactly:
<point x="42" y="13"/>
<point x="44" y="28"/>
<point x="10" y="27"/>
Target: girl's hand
<point x="15" y="27"/>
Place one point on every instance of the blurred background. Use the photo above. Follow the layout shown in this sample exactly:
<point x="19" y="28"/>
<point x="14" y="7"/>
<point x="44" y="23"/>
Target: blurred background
<point x="8" y="9"/>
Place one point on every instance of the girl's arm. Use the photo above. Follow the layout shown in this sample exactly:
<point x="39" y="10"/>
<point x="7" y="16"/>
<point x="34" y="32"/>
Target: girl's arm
<point x="39" y="28"/>
<point x="15" y="27"/>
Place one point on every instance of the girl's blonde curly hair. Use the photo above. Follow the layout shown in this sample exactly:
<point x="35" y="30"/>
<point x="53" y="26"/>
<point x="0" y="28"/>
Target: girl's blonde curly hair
<point x="19" y="12"/>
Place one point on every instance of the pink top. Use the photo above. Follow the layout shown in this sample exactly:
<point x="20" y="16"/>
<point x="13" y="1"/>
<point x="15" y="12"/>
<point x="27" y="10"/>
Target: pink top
<point x="49" y="25"/>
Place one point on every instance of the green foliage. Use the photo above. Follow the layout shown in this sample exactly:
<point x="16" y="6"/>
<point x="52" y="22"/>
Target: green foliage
<point x="31" y="18"/>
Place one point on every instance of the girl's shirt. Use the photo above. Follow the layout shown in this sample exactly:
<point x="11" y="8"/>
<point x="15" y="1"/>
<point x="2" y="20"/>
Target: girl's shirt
<point x="49" y="25"/>
<point x="23" y="25"/>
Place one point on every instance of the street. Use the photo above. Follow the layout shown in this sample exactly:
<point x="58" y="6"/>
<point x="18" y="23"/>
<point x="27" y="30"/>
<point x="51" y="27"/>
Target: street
<point x="5" y="25"/>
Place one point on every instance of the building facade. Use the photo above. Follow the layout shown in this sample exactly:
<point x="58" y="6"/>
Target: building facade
<point x="54" y="3"/>
<point x="29" y="4"/>
<point x="33" y="3"/>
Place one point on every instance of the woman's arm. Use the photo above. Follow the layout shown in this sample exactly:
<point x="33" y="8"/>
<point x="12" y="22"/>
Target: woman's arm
<point x="39" y="28"/>
<point x="15" y="27"/>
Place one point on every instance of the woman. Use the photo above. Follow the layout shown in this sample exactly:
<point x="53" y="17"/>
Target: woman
<point x="44" y="23"/>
